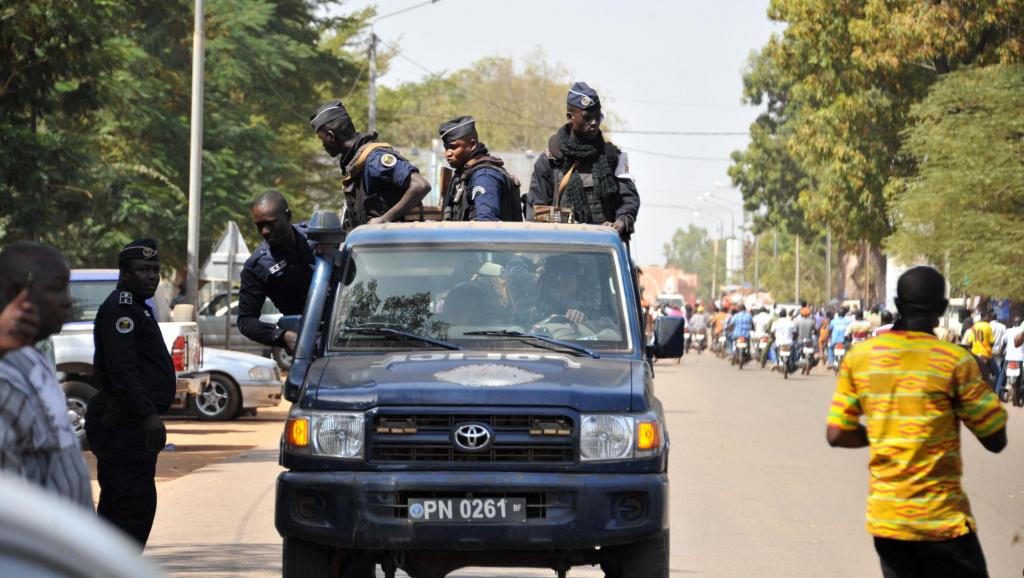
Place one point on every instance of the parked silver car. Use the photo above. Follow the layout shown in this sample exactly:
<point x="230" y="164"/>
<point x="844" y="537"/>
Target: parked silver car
<point x="239" y="383"/>
<point x="211" y="324"/>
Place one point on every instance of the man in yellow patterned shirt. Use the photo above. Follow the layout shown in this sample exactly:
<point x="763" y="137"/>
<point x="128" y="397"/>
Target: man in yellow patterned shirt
<point x="913" y="391"/>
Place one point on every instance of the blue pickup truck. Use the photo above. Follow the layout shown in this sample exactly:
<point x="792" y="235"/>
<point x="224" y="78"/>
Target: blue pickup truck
<point x="472" y="394"/>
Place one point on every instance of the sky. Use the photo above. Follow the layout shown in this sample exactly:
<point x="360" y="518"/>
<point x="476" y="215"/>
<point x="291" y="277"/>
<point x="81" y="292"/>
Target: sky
<point x="660" y="65"/>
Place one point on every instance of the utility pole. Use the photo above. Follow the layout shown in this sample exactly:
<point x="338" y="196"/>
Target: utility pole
<point x="757" y="263"/>
<point x="195" y="164"/>
<point x="371" y="123"/>
<point x="797" y="268"/>
<point x="714" y="274"/>
<point x="828" y="264"/>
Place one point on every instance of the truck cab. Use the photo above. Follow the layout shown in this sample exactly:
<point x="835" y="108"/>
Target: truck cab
<point x="472" y="394"/>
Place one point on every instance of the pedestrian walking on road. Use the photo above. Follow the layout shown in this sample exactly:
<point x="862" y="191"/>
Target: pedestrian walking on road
<point x="137" y="383"/>
<point x="36" y="440"/>
<point x="914" y="391"/>
<point x="380" y="185"/>
<point x="581" y="173"/>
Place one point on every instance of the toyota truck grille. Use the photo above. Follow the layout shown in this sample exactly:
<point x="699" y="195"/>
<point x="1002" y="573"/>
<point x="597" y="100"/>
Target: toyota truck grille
<point x="515" y="438"/>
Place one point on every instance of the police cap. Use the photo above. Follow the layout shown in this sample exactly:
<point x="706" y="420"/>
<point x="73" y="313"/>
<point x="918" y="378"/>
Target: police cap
<point x="583" y="97"/>
<point x="333" y="113"/>
<point x="144" y="249"/>
<point x="457" y="128"/>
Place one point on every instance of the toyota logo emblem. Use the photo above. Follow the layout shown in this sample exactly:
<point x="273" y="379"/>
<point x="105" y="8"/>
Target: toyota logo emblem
<point x="472" y="437"/>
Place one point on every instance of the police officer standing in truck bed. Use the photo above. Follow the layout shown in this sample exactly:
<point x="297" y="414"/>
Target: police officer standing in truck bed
<point x="481" y="190"/>
<point x="137" y="383"/>
<point x="582" y="173"/>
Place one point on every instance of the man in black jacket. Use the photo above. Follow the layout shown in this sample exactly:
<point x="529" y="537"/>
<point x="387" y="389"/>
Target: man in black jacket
<point x="481" y="189"/>
<point x="137" y="383"/>
<point x="583" y="175"/>
<point x="281" y="268"/>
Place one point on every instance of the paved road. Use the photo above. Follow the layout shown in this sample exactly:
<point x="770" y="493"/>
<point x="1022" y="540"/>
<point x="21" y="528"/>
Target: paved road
<point x="756" y="491"/>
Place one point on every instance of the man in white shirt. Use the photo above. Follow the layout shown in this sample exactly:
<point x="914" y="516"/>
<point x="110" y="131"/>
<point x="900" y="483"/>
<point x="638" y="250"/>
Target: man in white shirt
<point x="998" y="329"/>
<point x="1011" y="352"/>
<point x="782" y="330"/>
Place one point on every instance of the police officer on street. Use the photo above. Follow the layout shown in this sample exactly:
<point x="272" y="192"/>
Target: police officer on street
<point x="583" y="174"/>
<point x="281" y="268"/>
<point x="137" y="383"/>
<point x="481" y="190"/>
<point x="380" y="186"/>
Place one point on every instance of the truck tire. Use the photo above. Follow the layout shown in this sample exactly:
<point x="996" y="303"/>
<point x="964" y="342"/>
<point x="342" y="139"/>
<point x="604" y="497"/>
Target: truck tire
<point x="302" y="559"/>
<point x="219" y="400"/>
<point x="648" y="559"/>
<point x="78" y="394"/>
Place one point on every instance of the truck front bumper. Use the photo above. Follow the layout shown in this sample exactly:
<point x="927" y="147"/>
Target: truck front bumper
<point x="572" y="511"/>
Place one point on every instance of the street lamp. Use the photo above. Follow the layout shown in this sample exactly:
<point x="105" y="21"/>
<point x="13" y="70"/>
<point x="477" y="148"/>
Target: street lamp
<point x="372" y="96"/>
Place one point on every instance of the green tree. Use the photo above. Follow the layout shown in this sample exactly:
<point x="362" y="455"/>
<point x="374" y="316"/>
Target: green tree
<point x="966" y="204"/>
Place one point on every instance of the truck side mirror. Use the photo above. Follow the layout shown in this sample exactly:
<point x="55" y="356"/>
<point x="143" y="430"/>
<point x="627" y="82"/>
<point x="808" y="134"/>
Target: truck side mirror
<point x="290" y="323"/>
<point x="668" y="337"/>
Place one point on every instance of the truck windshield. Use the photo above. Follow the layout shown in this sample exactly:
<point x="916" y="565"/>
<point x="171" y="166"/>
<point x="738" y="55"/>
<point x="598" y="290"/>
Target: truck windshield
<point x="450" y="294"/>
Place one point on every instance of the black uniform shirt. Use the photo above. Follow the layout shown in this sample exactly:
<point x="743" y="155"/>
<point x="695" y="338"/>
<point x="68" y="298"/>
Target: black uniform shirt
<point x="282" y="274"/>
<point x="131" y="358"/>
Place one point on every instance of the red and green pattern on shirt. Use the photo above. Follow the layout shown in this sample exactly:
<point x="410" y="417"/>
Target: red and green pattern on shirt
<point x="914" y="390"/>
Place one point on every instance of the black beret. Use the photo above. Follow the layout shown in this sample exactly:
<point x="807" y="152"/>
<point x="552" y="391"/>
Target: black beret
<point x="457" y="128"/>
<point x="582" y="96"/>
<point x="329" y="112"/>
<point x="144" y="249"/>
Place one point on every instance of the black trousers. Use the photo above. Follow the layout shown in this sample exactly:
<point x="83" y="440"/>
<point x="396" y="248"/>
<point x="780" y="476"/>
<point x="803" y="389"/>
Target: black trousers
<point x="957" y="558"/>
<point x="128" y="494"/>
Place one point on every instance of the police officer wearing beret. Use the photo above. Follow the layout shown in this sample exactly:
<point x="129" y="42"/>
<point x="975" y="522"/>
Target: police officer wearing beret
<point x="281" y="268"/>
<point x="380" y="186"/>
<point x="137" y="383"/>
<point x="482" y="189"/>
<point x="583" y="173"/>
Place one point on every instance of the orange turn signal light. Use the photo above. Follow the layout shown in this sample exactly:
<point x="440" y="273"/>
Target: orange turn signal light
<point x="297" y="432"/>
<point x="648" y="435"/>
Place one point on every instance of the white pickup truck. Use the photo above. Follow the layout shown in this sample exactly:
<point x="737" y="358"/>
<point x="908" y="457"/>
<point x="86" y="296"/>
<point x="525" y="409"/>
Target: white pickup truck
<point x="73" y="347"/>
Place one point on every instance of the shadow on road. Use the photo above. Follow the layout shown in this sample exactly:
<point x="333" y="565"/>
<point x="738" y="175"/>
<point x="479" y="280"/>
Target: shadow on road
<point x="213" y="560"/>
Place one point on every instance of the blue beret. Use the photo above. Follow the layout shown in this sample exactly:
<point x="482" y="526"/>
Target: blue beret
<point x="582" y="96"/>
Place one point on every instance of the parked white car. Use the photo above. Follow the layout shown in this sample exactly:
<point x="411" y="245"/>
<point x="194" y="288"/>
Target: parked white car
<point x="239" y="383"/>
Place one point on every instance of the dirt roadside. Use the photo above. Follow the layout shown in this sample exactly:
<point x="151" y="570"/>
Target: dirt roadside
<point x="200" y="443"/>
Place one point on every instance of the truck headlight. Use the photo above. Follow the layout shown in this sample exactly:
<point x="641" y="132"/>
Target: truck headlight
<point x="334" y="435"/>
<point x="608" y="437"/>
<point x="263" y="373"/>
<point x="338" y="435"/>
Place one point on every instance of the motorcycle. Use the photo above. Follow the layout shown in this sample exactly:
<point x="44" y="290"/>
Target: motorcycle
<point x="785" y="350"/>
<point x="807" y="360"/>
<point x="838" y="352"/>
<point x="1014" y="388"/>
<point x="722" y="341"/>
<point x="699" y="339"/>
<point x="741" y="353"/>
<point x="687" y="341"/>
<point x="763" y="343"/>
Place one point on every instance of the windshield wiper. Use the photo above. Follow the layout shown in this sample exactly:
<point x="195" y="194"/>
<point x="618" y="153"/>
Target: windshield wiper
<point x="377" y="330"/>
<point x="545" y="339"/>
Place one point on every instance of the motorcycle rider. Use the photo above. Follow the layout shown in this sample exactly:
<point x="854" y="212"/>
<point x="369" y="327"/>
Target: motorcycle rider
<point x="805" y="330"/>
<point x="741" y="325"/>
<point x="886" y="319"/>
<point x="783" y="329"/>
<point x="1013" y="350"/>
<point x="837" y="334"/>
<point x="699" y="324"/>
<point x="761" y="322"/>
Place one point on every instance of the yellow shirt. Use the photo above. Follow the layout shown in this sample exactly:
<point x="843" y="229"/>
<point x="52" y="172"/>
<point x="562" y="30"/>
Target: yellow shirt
<point x="981" y="339"/>
<point x="914" y="390"/>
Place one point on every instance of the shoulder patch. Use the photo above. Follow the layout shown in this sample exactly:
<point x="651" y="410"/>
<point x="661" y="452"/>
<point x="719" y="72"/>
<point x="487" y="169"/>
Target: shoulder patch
<point x="477" y="190"/>
<point x="388" y="160"/>
<point x="124" y="325"/>
<point x="125" y="298"/>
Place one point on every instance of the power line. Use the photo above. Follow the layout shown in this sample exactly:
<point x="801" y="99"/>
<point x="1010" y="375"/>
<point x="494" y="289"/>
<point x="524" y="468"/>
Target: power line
<point x="676" y="157"/>
<point x="681" y="132"/>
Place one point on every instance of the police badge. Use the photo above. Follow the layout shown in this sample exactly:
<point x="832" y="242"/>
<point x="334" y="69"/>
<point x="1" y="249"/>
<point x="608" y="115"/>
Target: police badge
<point x="388" y="160"/>
<point x="124" y="325"/>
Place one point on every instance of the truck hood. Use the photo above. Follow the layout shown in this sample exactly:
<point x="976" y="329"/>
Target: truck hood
<point x="360" y="382"/>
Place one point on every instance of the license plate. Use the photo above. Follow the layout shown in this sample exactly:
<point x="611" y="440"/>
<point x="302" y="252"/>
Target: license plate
<point x="1013" y="369"/>
<point x="467" y="510"/>
<point x="808" y="350"/>
<point x="763" y="345"/>
<point x="699" y="338"/>
<point x="741" y="345"/>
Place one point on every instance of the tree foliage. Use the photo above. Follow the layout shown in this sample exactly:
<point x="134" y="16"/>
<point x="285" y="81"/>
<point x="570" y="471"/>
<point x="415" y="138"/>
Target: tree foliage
<point x="966" y="202"/>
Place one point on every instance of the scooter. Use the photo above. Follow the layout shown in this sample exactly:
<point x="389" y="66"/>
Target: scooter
<point x="687" y="340"/>
<point x="763" y="343"/>
<point x="722" y="342"/>
<point x="1014" y="388"/>
<point x="838" y="352"/>
<point x="807" y="360"/>
<point x="785" y="351"/>
<point x="741" y="353"/>
<point x="699" y="339"/>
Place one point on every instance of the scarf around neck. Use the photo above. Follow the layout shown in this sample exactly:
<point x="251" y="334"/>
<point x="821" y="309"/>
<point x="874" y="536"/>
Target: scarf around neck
<point x="600" y="207"/>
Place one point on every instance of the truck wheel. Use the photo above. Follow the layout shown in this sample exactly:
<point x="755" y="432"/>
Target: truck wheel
<point x="78" y="394"/>
<point x="303" y="559"/>
<point x="648" y="559"/>
<point x="219" y="400"/>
